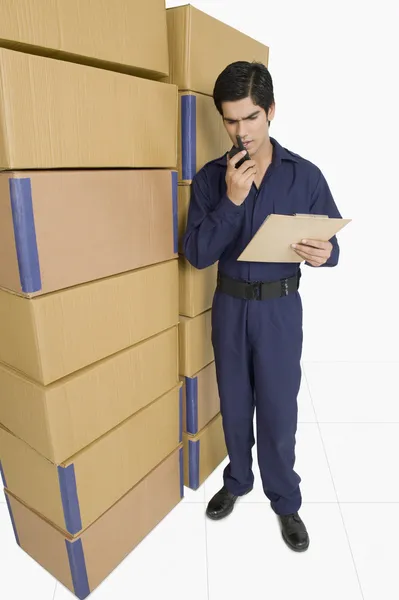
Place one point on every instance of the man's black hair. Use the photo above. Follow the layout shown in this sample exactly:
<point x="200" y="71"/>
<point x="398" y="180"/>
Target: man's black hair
<point x="241" y="80"/>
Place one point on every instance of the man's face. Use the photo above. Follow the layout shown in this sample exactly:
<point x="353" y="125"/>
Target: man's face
<point x="246" y="119"/>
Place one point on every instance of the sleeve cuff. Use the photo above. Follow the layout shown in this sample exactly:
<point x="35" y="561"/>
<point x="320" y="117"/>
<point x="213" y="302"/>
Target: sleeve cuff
<point x="227" y="208"/>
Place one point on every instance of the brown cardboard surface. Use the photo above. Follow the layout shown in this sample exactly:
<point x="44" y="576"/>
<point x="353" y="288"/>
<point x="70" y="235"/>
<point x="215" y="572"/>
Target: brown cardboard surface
<point x="88" y="225"/>
<point x="210" y="139"/>
<point x="272" y="242"/>
<point x="123" y="36"/>
<point x="9" y="271"/>
<point x="195" y="343"/>
<point x="79" y="116"/>
<point x="195" y="64"/>
<point x="42" y="541"/>
<point x="197" y="288"/>
<point x="212" y="451"/>
<point x="183" y="196"/>
<point x="103" y="471"/>
<point x="51" y="336"/>
<point x="109" y="539"/>
<point x="63" y="418"/>
<point x="201" y="400"/>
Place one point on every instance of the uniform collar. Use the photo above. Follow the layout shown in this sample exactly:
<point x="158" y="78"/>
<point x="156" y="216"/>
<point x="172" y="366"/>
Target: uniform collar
<point x="279" y="154"/>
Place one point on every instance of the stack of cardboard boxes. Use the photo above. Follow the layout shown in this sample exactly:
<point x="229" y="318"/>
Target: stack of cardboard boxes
<point x="200" y="48"/>
<point x="99" y="140"/>
<point x="90" y="397"/>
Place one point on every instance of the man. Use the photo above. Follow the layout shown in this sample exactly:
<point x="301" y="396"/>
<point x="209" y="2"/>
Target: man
<point x="257" y="309"/>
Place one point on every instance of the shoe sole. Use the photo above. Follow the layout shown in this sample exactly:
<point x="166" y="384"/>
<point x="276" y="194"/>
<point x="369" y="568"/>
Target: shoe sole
<point x="226" y="514"/>
<point x="294" y="548"/>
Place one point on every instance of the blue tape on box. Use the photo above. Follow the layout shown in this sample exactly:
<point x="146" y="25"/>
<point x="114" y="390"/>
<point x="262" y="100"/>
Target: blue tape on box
<point x="193" y="464"/>
<point x="188" y="136"/>
<point x="25" y="234"/>
<point x="181" y="473"/>
<point x="77" y="565"/>
<point x="180" y="415"/>
<point x="192" y="405"/>
<point x="12" y="520"/>
<point x="70" y="501"/>
<point x="175" y="211"/>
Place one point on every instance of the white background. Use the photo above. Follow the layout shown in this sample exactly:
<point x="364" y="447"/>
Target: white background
<point x="335" y="69"/>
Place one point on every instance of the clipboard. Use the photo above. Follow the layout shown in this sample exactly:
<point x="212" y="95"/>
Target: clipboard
<point x="272" y="242"/>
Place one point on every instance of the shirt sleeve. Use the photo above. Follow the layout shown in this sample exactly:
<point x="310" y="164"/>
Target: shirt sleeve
<point x="322" y="203"/>
<point x="209" y="229"/>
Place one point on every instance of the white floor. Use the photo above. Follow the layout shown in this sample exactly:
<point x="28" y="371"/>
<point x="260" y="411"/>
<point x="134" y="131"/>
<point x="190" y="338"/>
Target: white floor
<point x="347" y="456"/>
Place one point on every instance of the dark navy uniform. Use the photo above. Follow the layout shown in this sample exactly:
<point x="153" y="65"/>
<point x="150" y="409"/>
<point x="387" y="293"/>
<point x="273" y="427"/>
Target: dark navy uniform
<point x="257" y="343"/>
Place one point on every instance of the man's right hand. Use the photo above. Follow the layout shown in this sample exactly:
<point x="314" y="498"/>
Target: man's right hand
<point x="239" y="181"/>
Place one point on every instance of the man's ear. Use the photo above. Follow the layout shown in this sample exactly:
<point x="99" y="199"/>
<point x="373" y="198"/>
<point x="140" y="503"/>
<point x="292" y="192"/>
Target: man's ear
<point x="271" y="113"/>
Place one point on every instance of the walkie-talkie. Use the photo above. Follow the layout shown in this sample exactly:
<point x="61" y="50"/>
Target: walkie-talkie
<point x="235" y="150"/>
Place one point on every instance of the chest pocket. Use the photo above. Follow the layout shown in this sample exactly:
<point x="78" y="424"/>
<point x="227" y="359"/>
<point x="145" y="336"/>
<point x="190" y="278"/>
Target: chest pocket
<point x="286" y="199"/>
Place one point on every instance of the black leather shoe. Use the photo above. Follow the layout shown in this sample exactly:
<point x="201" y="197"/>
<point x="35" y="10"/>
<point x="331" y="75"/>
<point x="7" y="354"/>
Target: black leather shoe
<point x="222" y="504"/>
<point x="294" y="532"/>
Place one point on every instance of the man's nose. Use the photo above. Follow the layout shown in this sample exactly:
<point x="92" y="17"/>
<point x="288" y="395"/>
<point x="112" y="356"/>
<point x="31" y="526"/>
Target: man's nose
<point x="241" y="129"/>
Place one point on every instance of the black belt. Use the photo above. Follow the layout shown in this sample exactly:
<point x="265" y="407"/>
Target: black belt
<point x="257" y="290"/>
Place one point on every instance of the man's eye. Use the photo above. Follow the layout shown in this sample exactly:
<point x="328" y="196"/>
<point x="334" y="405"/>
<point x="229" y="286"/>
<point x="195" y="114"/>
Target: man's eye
<point x="253" y="118"/>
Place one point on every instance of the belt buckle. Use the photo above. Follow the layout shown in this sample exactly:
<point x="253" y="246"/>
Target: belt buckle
<point x="255" y="290"/>
<point x="284" y="287"/>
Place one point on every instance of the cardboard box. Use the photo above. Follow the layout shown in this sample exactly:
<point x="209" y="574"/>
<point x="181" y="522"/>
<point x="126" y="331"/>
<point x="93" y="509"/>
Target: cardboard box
<point x="51" y="336"/>
<point x="197" y="288"/>
<point x="82" y="562"/>
<point x="195" y="64"/>
<point x="202" y="136"/>
<point x="73" y="494"/>
<point x="195" y="343"/>
<point x="201" y="401"/>
<point x="123" y="36"/>
<point x="62" y="418"/>
<point x="62" y="228"/>
<point x="183" y="201"/>
<point x="203" y="453"/>
<point x="80" y="116"/>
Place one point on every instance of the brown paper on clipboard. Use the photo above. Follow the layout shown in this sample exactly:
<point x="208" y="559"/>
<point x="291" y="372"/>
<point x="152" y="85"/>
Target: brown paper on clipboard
<point x="272" y="242"/>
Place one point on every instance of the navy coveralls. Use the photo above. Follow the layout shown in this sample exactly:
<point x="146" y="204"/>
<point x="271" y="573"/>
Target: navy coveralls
<point x="257" y="343"/>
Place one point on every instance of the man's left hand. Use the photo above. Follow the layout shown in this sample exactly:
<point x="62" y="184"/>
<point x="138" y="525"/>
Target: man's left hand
<point x="315" y="252"/>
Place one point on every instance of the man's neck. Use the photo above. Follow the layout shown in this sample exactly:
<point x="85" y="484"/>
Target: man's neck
<point x="263" y="157"/>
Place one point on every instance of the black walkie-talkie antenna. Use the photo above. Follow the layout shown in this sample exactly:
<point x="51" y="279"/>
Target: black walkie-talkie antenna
<point x="235" y="150"/>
